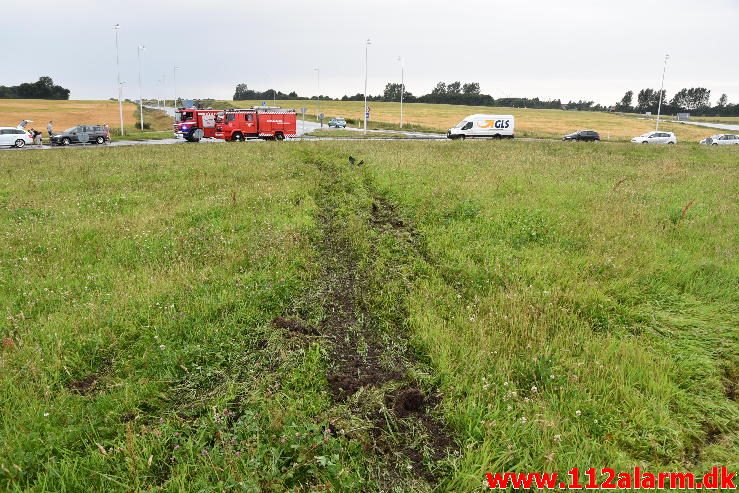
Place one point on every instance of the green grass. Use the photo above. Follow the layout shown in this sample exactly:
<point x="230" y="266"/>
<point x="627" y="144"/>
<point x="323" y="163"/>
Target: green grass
<point x="353" y="134"/>
<point x="137" y="135"/>
<point x="573" y="306"/>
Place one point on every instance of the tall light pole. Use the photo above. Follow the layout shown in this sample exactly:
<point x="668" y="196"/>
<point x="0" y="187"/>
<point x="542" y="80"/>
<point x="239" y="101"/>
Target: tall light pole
<point x="164" y="89"/>
<point x="318" y="105"/>
<point x="659" y="107"/>
<point x="402" y="88"/>
<point x="141" y="90"/>
<point x="366" y="65"/>
<point x="174" y="71"/>
<point x="118" y="68"/>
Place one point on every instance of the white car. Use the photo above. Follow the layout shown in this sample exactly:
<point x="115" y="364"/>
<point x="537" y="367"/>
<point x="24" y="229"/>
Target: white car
<point x="656" y="138"/>
<point x="721" y="140"/>
<point x="14" y="137"/>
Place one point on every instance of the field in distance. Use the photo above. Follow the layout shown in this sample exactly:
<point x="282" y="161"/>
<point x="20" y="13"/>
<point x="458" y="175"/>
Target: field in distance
<point x="66" y="114"/>
<point x="272" y="318"/>
<point x="529" y="122"/>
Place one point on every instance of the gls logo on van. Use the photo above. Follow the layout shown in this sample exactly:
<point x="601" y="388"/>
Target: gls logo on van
<point x="495" y="123"/>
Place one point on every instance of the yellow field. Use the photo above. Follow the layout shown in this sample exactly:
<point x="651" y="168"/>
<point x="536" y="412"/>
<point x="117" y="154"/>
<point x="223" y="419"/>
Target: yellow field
<point x="529" y="122"/>
<point x="67" y="114"/>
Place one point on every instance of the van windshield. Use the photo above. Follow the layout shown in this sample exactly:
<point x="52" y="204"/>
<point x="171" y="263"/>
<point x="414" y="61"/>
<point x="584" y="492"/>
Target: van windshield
<point x="461" y="124"/>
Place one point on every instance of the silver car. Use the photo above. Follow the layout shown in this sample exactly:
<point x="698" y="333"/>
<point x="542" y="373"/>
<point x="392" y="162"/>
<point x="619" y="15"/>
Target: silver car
<point x="721" y="140"/>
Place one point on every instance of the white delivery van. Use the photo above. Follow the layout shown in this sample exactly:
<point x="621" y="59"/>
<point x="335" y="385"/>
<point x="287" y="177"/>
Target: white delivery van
<point x="490" y="126"/>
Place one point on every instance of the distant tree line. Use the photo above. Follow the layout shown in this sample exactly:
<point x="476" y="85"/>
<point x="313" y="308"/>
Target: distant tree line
<point x="243" y="93"/>
<point x="693" y="100"/>
<point x="44" y="88"/>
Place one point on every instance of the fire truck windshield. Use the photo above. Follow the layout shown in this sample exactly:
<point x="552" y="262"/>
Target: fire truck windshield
<point x="184" y="116"/>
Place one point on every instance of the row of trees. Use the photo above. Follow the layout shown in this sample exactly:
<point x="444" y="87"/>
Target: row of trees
<point x="693" y="100"/>
<point x="243" y="93"/>
<point x="44" y="88"/>
<point x="466" y="94"/>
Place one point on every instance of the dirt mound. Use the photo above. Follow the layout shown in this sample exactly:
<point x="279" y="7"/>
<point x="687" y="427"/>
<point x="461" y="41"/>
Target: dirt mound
<point x="294" y="325"/>
<point x="84" y="386"/>
<point x="409" y="401"/>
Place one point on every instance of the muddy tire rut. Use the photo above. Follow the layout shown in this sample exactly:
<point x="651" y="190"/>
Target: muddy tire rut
<point x="364" y="361"/>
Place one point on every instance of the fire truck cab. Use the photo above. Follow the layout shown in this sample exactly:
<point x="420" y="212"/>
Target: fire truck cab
<point x="193" y="124"/>
<point x="256" y="123"/>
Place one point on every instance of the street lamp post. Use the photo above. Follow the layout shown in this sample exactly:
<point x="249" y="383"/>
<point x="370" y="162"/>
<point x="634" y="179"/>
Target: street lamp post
<point x="141" y="90"/>
<point x="661" y="91"/>
<point x="174" y="72"/>
<point x="118" y="69"/>
<point x="366" y="65"/>
<point x="318" y="105"/>
<point x="402" y="88"/>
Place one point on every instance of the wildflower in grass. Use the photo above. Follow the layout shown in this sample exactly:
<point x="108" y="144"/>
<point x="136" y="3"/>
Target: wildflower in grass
<point x="534" y="389"/>
<point x="505" y="384"/>
<point x="162" y="346"/>
<point x="523" y="420"/>
<point x="578" y="413"/>
<point x="46" y="415"/>
<point x="557" y="438"/>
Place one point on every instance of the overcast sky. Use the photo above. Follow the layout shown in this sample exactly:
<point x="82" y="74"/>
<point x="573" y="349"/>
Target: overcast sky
<point x="585" y="49"/>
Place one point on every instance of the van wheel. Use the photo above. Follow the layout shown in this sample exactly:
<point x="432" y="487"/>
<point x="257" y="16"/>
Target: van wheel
<point x="20" y="143"/>
<point x="279" y="136"/>
<point x="670" y="143"/>
<point x="100" y="141"/>
<point x="497" y="137"/>
<point x="462" y="137"/>
<point x="237" y="137"/>
<point x="66" y="141"/>
<point x="645" y="142"/>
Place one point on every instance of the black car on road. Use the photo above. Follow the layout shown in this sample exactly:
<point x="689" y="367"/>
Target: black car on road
<point x="82" y="134"/>
<point x="583" y="135"/>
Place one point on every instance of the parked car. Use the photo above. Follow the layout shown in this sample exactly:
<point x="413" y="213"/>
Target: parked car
<point x="721" y="140"/>
<point x="82" y="134"/>
<point x="492" y="126"/>
<point x="337" y="122"/>
<point x="656" y="138"/>
<point x="14" y="137"/>
<point x="583" y="135"/>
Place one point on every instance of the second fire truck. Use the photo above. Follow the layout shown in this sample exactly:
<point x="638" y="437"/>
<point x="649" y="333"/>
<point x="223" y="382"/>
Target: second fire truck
<point x="256" y="123"/>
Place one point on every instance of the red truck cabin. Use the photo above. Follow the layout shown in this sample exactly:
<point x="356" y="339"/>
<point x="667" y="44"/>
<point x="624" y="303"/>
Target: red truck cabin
<point x="194" y="124"/>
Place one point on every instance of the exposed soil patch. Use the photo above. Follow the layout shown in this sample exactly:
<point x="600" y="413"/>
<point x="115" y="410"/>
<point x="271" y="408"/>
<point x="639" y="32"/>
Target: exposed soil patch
<point x="409" y="401"/>
<point x="294" y="326"/>
<point x="360" y="356"/>
<point x="84" y="386"/>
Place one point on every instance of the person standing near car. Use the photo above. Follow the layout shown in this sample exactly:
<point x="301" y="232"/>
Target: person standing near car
<point x="37" y="140"/>
<point x="50" y="129"/>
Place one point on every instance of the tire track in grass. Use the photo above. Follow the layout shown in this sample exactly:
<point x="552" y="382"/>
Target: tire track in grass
<point x="370" y="369"/>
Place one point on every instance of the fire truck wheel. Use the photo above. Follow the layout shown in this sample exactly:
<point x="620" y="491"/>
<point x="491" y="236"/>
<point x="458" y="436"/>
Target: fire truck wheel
<point x="279" y="136"/>
<point x="237" y="137"/>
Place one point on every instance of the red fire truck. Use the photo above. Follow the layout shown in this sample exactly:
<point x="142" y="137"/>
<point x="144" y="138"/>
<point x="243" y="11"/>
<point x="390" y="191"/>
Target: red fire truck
<point x="194" y="124"/>
<point x="263" y="123"/>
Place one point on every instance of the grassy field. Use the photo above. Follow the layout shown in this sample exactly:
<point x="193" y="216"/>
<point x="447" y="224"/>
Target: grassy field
<point x="66" y="114"/>
<point x="529" y="122"/>
<point x="267" y="317"/>
<point x="353" y="134"/>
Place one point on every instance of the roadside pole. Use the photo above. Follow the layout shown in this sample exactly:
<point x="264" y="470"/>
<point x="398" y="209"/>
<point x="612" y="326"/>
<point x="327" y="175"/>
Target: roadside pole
<point x="661" y="91"/>
<point x="302" y="110"/>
